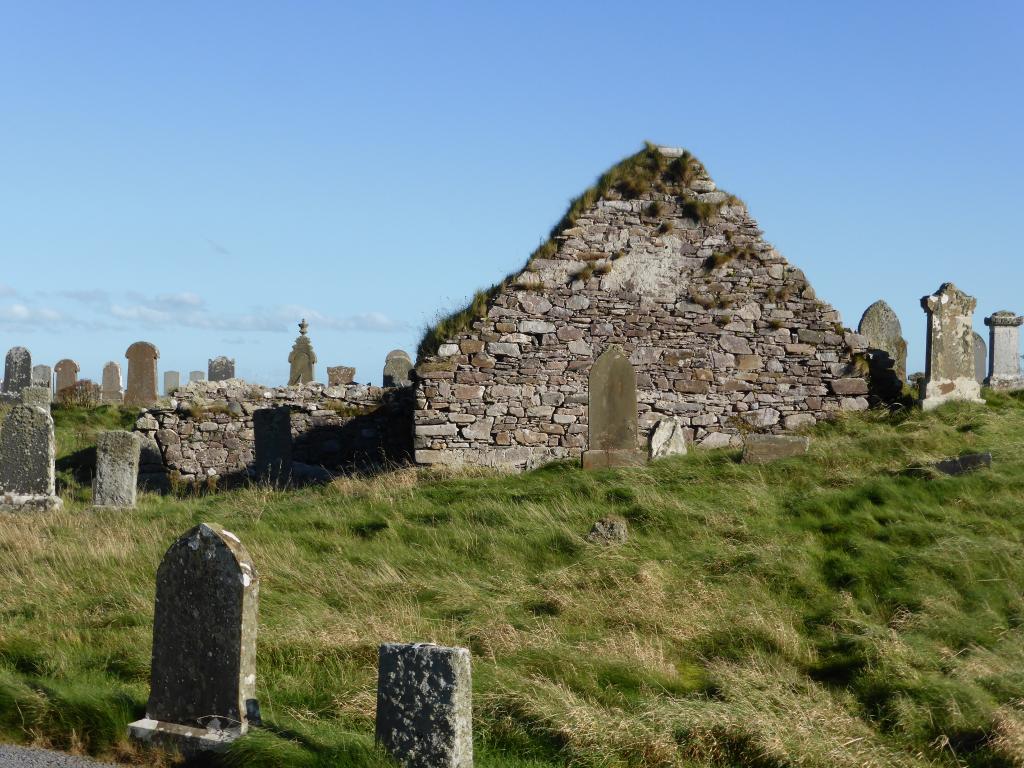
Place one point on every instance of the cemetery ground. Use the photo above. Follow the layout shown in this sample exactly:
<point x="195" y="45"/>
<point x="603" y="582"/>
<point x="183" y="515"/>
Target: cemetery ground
<point x="828" y="610"/>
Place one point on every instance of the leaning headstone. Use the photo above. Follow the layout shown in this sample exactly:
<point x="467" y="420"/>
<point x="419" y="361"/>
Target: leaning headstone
<point x="42" y="376"/>
<point x="196" y="376"/>
<point x="302" y="357"/>
<point x="339" y="375"/>
<point x="887" y="350"/>
<point x="668" y="438"/>
<point x="27" y="455"/>
<point x="763" y="449"/>
<point x="172" y="380"/>
<point x="67" y="374"/>
<point x="425" y="705"/>
<point x="613" y="413"/>
<point x="40" y="397"/>
<point x="220" y="368"/>
<point x="203" y="676"/>
<point x="397" y="369"/>
<point x="117" y="469"/>
<point x="110" y="391"/>
<point x="980" y="358"/>
<point x="949" y="361"/>
<point x="17" y="371"/>
<point x="141" y="390"/>
<point x="272" y="428"/>
<point x="1004" y="362"/>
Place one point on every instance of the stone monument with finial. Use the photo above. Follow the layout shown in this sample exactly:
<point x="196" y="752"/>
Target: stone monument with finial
<point x="302" y="357"/>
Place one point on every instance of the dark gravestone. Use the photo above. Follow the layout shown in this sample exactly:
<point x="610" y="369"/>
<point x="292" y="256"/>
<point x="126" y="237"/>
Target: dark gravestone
<point x="27" y="454"/>
<point x="17" y="371"/>
<point x="613" y="413"/>
<point x="887" y="351"/>
<point x="397" y="369"/>
<point x="425" y="705"/>
<point x="302" y="358"/>
<point x="763" y="449"/>
<point x="980" y="358"/>
<point x="67" y="374"/>
<point x="203" y="677"/>
<point x="220" y="368"/>
<point x="141" y="389"/>
<point x="272" y="428"/>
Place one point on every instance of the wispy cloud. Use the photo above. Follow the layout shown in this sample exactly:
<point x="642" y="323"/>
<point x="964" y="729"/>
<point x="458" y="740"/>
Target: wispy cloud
<point x="95" y="296"/>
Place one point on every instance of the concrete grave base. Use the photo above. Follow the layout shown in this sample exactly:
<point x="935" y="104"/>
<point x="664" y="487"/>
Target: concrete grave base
<point x="1005" y="383"/>
<point x="936" y="393"/>
<point x="188" y="740"/>
<point x="21" y="502"/>
<point x="608" y="459"/>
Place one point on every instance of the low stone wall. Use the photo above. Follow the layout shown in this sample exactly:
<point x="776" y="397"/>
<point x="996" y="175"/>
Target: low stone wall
<point x="206" y="429"/>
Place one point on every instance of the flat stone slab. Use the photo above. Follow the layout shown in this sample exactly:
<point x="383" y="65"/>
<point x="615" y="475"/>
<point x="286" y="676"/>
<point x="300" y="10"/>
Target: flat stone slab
<point x="20" y="502"/>
<point x="609" y="459"/>
<point x="764" y="449"/>
<point x="31" y="757"/>
<point x="963" y="464"/>
<point x="186" y="739"/>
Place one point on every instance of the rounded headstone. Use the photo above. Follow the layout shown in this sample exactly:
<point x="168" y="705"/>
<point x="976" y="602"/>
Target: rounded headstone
<point x="17" y="370"/>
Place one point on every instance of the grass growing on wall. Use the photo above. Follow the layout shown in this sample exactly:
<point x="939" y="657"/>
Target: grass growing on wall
<point x="826" y="611"/>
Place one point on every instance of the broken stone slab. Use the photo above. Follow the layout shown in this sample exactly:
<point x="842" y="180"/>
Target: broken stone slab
<point x="962" y="464"/>
<point x="764" y="449"/>
<point x="612" y="459"/>
<point x="339" y="375"/>
<point x="117" y="469"/>
<point x="608" y="530"/>
<point x="425" y="705"/>
<point x="668" y="438"/>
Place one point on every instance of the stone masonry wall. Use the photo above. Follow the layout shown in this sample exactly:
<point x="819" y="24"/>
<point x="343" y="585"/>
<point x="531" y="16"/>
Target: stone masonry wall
<point x="724" y="334"/>
<point x="207" y="430"/>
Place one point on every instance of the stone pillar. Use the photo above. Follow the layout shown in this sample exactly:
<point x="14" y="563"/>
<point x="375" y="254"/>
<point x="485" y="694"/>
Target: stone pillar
<point x="272" y="428"/>
<point x="141" y="390"/>
<point x="425" y="705"/>
<point x="949" y="361"/>
<point x="612" y="416"/>
<point x="172" y="380"/>
<point x="27" y="455"/>
<point x="17" y="371"/>
<point x="203" y="680"/>
<point x="1004" y="353"/>
<point x="117" y="469"/>
<point x="302" y="358"/>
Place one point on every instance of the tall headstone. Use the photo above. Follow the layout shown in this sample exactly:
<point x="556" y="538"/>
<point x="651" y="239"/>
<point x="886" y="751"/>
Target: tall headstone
<point x="27" y="455"/>
<point x="42" y="376"/>
<point x="117" y="469"/>
<point x="425" y="705"/>
<point x="1004" y="361"/>
<point x="203" y="676"/>
<point x="196" y="376"/>
<point x="172" y="380"/>
<point x="141" y="390"/>
<point x="887" y="350"/>
<point x="980" y="358"/>
<point x="272" y="428"/>
<point x="220" y="368"/>
<point x="397" y="369"/>
<point x="949" y="360"/>
<point x="41" y="397"/>
<point x="613" y="439"/>
<point x="302" y="357"/>
<point x="340" y="375"/>
<point x="17" y="371"/>
<point x="67" y="374"/>
<point x="110" y="391"/>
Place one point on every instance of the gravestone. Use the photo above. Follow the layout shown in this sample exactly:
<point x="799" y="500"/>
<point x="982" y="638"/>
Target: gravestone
<point x="980" y="358"/>
<point x="220" y="368"/>
<point x="397" y="369"/>
<point x="172" y="380"/>
<point x="42" y="376"/>
<point x="302" y="358"/>
<point x="425" y="705"/>
<point x="1004" y="362"/>
<point x="613" y="413"/>
<point x="141" y="390"/>
<point x="40" y="397"/>
<point x="203" y="676"/>
<point x="17" y="371"/>
<point x="196" y="376"/>
<point x="27" y="454"/>
<point x="67" y="374"/>
<point x="117" y="469"/>
<point x="887" y="350"/>
<point x="764" y="449"/>
<point x="668" y="438"/>
<point x="950" y="357"/>
<point x="272" y="428"/>
<point x="339" y="375"/>
<point x="110" y="390"/>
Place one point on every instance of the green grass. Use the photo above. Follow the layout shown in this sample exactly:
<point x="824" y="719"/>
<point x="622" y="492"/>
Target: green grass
<point x="826" y="611"/>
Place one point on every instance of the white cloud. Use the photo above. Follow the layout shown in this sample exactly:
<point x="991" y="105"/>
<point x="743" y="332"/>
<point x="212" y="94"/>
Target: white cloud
<point x="20" y="315"/>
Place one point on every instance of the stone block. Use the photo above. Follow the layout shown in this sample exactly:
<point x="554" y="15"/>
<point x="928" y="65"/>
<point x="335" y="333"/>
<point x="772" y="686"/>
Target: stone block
<point x="340" y="375"/>
<point x="668" y="438"/>
<point x="847" y="387"/>
<point x="117" y="469"/>
<point x="762" y="449"/>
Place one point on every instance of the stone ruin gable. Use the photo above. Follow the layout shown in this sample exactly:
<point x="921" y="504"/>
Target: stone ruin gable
<point x="724" y="334"/>
<point x="207" y="429"/>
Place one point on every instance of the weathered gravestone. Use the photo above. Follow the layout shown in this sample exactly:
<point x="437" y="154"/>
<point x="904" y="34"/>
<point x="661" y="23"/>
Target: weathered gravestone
<point x="41" y="397"/>
<point x="272" y="428"/>
<point x="613" y="413"/>
<point x="142" y="357"/>
<point x="172" y="380"/>
<point x="196" y="376"/>
<point x="203" y="676"/>
<point x="17" y="371"/>
<point x="110" y="390"/>
<point x="27" y="453"/>
<point x="67" y="374"/>
<point x="1004" y="360"/>
<point x="117" y="469"/>
<point x="668" y="438"/>
<point x="763" y="449"/>
<point x="425" y="705"/>
<point x="339" y="375"/>
<point x="397" y="369"/>
<point x="980" y="358"/>
<point x="42" y="376"/>
<point x="302" y="358"/>
<point x="220" y="368"/>
<point x="887" y="350"/>
<point x="949" y="360"/>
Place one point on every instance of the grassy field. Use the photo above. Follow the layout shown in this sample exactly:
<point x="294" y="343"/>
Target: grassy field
<point x="825" y="611"/>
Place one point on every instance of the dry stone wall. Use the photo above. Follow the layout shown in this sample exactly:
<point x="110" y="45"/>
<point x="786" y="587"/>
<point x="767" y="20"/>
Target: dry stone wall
<point x="724" y="334"/>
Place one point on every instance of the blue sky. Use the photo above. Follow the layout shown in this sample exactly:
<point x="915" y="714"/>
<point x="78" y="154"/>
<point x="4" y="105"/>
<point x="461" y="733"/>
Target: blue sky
<point x="201" y="175"/>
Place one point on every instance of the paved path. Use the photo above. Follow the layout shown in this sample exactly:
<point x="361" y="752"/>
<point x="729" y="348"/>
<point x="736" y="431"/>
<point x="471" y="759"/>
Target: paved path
<point x="23" y="757"/>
